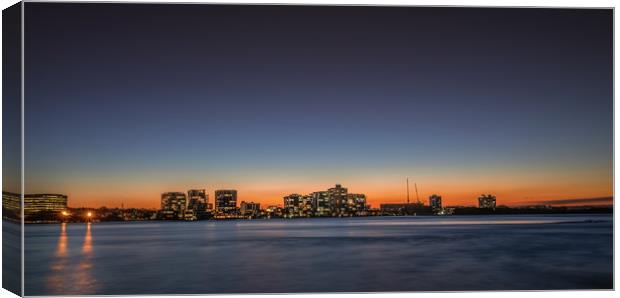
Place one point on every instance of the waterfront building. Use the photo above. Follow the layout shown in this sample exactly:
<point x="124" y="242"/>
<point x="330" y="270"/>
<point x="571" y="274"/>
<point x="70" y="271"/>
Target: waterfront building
<point x="190" y="215"/>
<point x="392" y="208"/>
<point x="356" y="204"/>
<point x="129" y="214"/>
<point x="335" y="201"/>
<point x="198" y="203"/>
<point x="292" y="204"/>
<point x="173" y="205"/>
<point x="250" y="209"/>
<point x="320" y="203"/>
<point x="11" y="204"/>
<point x="306" y="208"/>
<point x="338" y="200"/>
<point x="34" y="203"/>
<point x="434" y="201"/>
<point x="274" y="211"/>
<point x="417" y="208"/>
<point x="226" y="201"/>
<point x="487" y="201"/>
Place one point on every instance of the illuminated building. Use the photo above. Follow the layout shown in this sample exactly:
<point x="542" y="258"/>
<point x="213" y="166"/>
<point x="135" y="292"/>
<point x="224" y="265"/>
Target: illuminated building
<point x="333" y="202"/>
<point x="11" y="205"/>
<point x="356" y="204"/>
<point x="487" y="201"/>
<point x="190" y="214"/>
<point x="173" y="205"/>
<point x="291" y="205"/>
<point x="226" y="201"/>
<point x="434" y="201"/>
<point x="337" y="200"/>
<point x="314" y="204"/>
<point x="320" y="203"/>
<point x="249" y="209"/>
<point x="306" y="208"/>
<point x="274" y="211"/>
<point x="197" y="203"/>
<point x="34" y="203"/>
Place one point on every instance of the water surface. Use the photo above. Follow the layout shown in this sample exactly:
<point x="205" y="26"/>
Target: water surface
<point x="520" y="252"/>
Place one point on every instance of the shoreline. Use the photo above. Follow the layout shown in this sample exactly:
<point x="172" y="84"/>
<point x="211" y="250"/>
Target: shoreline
<point x="601" y="211"/>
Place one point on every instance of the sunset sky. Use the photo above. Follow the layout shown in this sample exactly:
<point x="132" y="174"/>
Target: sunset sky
<point x="124" y="102"/>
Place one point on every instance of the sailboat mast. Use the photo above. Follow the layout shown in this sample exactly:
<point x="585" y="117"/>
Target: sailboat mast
<point x="416" y="193"/>
<point x="407" y="190"/>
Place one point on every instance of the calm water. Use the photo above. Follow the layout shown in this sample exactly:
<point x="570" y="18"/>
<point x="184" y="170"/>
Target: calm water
<point x="317" y="255"/>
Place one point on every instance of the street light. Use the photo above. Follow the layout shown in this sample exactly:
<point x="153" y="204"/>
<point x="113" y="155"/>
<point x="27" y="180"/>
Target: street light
<point x="64" y="215"/>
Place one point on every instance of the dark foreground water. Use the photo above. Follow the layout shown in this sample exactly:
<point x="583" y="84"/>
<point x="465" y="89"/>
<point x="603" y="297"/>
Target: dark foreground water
<point x="319" y="255"/>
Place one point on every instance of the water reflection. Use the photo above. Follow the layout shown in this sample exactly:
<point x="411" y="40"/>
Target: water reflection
<point x="61" y="250"/>
<point x="79" y="276"/>
<point x="87" y="247"/>
<point x="56" y="281"/>
<point x="84" y="279"/>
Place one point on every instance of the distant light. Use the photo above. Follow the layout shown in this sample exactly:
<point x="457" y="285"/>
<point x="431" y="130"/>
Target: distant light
<point x="89" y="214"/>
<point x="65" y="213"/>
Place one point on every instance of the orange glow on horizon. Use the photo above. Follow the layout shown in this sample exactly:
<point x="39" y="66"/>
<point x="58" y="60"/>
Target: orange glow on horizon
<point x="461" y="195"/>
<point x="512" y="184"/>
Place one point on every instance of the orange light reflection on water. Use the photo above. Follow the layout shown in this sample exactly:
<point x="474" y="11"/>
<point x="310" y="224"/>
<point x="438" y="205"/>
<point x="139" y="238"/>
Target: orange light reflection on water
<point x="78" y="278"/>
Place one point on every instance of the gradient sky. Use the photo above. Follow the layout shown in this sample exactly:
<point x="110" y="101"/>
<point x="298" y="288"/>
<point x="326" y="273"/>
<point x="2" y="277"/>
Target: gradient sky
<point x="124" y="102"/>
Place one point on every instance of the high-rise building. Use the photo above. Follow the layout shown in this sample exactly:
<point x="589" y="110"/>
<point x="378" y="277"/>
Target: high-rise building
<point x="292" y="203"/>
<point x="196" y="196"/>
<point x="198" y="203"/>
<point x="356" y="204"/>
<point x="226" y="201"/>
<point x="306" y="208"/>
<point x="173" y="205"/>
<point x="249" y="209"/>
<point x="34" y="203"/>
<point x="434" y="201"/>
<point x="320" y="203"/>
<point x="487" y="201"/>
<point x="337" y="200"/>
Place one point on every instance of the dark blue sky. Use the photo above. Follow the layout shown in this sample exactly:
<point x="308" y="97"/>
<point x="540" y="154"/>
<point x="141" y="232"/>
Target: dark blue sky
<point x="152" y="97"/>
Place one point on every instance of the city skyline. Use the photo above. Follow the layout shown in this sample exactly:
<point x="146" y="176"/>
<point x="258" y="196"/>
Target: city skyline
<point x="335" y="201"/>
<point x="423" y="198"/>
<point x="465" y="106"/>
